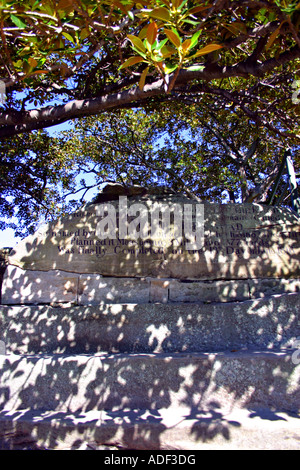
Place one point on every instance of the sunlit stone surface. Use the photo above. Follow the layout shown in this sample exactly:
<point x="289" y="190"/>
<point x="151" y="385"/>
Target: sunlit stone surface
<point x="241" y="241"/>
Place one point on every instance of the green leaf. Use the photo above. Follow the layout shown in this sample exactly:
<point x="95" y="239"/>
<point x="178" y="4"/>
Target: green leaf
<point x="182" y="5"/>
<point x="161" y="44"/>
<point x="84" y="33"/>
<point x="166" y="2"/>
<point x="19" y="23"/>
<point x="173" y="37"/>
<point x="236" y="28"/>
<point x="68" y="37"/>
<point x="39" y="72"/>
<point x="24" y="51"/>
<point x="138" y="44"/>
<point x="168" y="51"/>
<point x="169" y="68"/>
<point x="186" y="45"/>
<point x="152" y="33"/>
<point x="143" y="78"/>
<point x="207" y="50"/>
<point x="18" y="63"/>
<point x="143" y="32"/>
<point x="176" y="3"/>
<point x="64" y="4"/>
<point x="131" y="61"/>
<point x="195" y="38"/>
<point x="197" y="10"/>
<point x="160" y="14"/>
<point x="194" y="23"/>
<point x="273" y="37"/>
<point x="195" y="68"/>
<point x="32" y="62"/>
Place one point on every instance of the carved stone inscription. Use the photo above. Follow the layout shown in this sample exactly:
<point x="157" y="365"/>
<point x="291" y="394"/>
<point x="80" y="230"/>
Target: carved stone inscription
<point x="240" y="241"/>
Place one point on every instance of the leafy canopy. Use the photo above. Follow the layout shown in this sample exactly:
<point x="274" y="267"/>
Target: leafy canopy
<point x="220" y="78"/>
<point x="86" y="57"/>
<point x="196" y="150"/>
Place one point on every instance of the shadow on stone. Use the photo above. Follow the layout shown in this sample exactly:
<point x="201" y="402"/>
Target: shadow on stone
<point x="149" y="363"/>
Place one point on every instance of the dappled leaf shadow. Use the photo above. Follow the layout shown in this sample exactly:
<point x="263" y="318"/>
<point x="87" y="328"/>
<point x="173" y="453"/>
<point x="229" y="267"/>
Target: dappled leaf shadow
<point x="148" y="375"/>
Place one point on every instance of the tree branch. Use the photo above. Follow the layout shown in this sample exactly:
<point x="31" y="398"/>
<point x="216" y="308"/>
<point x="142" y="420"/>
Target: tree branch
<point x="16" y="122"/>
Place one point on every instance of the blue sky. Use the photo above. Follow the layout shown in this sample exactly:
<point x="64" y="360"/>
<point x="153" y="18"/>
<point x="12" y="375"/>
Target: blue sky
<point x="7" y="238"/>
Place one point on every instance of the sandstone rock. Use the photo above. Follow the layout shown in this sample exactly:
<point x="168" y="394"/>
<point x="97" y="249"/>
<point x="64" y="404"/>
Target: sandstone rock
<point x="269" y="323"/>
<point x="113" y="191"/>
<point x="35" y="287"/>
<point x="79" y="383"/>
<point x="219" y="291"/>
<point x="240" y="241"/>
<point x="264" y="287"/>
<point x="159" y="290"/>
<point x="95" y="289"/>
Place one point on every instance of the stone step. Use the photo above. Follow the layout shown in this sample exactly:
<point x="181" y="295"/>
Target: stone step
<point x="199" y="381"/>
<point x="266" y="323"/>
<point x="163" y="429"/>
<point x="47" y="287"/>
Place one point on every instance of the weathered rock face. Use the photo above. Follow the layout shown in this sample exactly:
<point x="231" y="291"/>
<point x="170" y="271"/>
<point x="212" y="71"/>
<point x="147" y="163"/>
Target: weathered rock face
<point x="240" y="241"/>
<point x="4" y="252"/>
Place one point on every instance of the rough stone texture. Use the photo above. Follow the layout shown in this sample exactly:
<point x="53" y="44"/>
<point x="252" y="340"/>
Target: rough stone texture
<point x="241" y="241"/>
<point x="159" y="290"/>
<point x="263" y="287"/>
<point x="37" y="287"/>
<point x="146" y="344"/>
<point x="112" y="191"/>
<point x="94" y="289"/>
<point x="182" y="400"/>
<point x="268" y="323"/>
<point x="150" y="381"/>
<point x="221" y="291"/>
<point x="49" y="287"/>
<point x="4" y="252"/>
<point x="164" y="429"/>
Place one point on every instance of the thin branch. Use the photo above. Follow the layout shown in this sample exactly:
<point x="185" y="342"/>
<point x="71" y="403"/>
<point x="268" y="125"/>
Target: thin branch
<point x="14" y="122"/>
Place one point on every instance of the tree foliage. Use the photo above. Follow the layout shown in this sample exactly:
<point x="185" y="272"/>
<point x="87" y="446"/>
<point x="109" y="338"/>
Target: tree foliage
<point x="201" y="96"/>
<point x="33" y="179"/>
<point x="197" y="150"/>
<point x="63" y="59"/>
